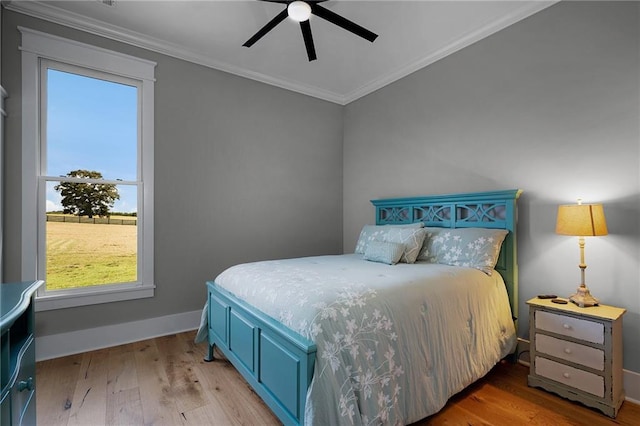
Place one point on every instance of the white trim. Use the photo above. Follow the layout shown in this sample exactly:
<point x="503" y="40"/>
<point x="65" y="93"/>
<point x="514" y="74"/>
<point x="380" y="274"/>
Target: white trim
<point x="115" y="293"/>
<point x="631" y="381"/>
<point x="457" y="44"/>
<point x="113" y="32"/>
<point x="73" y="52"/>
<point x="89" y="180"/>
<point x="36" y="46"/>
<point x="74" y="342"/>
<point x="30" y="166"/>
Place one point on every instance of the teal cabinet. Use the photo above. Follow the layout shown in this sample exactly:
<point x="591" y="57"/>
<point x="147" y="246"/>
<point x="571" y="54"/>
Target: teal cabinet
<point x="17" y="353"/>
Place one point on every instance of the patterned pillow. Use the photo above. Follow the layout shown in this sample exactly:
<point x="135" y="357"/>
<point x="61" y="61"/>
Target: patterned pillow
<point x="384" y="252"/>
<point x="411" y="238"/>
<point x="376" y="233"/>
<point x="473" y="247"/>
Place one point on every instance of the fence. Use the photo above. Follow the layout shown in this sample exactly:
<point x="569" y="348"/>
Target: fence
<point x="95" y="220"/>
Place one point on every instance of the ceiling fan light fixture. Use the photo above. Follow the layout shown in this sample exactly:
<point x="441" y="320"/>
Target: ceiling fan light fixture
<point x="299" y="11"/>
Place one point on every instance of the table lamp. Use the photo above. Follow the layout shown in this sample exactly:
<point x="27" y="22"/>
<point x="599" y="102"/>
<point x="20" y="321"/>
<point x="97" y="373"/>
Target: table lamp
<point x="581" y="220"/>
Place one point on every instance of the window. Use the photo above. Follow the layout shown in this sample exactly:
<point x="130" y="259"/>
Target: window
<point x="87" y="172"/>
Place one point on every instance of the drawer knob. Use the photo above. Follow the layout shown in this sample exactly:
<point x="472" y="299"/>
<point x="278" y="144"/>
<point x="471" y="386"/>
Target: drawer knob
<point x="566" y="326"/>
<point x="566" y="375"/>
<point x="25" y="384"/>
<point x="567" y="351"/>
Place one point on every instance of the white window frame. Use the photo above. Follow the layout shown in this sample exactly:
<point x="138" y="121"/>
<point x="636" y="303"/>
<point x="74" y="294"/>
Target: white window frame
<point x="37" y="47"/>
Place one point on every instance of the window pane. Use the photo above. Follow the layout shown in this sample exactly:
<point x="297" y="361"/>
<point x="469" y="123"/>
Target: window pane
<point x="92" y="124"/>
<point x="127" y="203"/>
<point x="83" y="251"/>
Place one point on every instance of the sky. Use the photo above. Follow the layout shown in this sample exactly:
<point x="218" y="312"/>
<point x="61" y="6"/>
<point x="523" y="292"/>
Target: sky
<point x="91" y="125"/>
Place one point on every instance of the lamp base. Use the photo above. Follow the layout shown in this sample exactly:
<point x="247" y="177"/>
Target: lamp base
<point x="583" y="297"/>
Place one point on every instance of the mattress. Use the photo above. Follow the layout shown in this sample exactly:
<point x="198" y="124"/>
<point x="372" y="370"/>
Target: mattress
<point x="394" y="342"/>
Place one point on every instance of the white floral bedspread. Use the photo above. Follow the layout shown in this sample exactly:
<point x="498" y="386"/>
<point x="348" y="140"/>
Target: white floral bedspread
<point x="394" y="342"/>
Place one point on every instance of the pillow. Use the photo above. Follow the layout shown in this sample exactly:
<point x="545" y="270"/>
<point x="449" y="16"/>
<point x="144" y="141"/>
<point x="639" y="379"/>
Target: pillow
<point x="411" y="238"/>
<point x="376" y="233"/>
<point x="473" y="247"/>
<point x="384" y="252"/>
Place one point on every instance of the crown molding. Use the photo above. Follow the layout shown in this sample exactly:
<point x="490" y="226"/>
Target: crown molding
<point x="56" y="15"/>
<point x="458" y="44"/>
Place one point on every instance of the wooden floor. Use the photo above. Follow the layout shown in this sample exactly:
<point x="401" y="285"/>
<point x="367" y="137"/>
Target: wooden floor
<point x="164" y="381"/>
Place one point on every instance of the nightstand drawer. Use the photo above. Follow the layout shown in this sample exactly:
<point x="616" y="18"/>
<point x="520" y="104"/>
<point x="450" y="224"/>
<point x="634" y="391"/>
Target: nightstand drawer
<point x="574" y="352"/>
<point x="577" y="379"/>
<point x="589" y="331"/>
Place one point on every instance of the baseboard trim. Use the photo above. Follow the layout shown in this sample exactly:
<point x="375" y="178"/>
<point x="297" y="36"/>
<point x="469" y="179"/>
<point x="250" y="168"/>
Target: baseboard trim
<point x="631" y="381"/>
<point x="74" y="342"/>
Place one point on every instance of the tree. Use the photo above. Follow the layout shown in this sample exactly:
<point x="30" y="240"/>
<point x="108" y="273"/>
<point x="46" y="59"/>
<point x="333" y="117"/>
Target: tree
<point x="87" y="199"/>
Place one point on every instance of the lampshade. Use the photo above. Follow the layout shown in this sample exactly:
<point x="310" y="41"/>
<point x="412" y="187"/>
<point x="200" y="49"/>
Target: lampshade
<point x="583" y="220"/>
<point x="299" y="11"/>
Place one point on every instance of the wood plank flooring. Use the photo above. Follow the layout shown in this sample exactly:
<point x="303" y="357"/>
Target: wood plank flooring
<point x="164" y="381"/>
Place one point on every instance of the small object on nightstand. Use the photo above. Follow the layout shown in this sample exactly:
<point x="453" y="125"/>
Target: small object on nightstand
<point x="559" y="301"/>
<point x="547" y="296"/>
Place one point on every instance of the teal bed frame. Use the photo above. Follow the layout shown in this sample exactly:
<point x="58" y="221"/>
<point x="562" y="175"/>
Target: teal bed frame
<point x="278" y="362"/>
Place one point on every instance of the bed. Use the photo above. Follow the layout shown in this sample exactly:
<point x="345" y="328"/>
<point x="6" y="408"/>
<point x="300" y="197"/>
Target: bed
<point x="353" y="339"/>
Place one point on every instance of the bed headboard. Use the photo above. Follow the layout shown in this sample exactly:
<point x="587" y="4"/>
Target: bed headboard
<point x="495" y="209"/>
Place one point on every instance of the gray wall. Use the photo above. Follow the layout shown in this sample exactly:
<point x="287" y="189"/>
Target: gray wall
<point x="243" y="171"/>
<point x="549" y="105"/>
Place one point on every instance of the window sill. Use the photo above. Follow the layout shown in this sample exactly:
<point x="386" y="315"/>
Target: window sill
<point x="62" y="300"/>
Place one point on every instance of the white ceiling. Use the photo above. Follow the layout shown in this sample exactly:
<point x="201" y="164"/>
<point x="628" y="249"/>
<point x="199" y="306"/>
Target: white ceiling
<point x="412" y="35"/>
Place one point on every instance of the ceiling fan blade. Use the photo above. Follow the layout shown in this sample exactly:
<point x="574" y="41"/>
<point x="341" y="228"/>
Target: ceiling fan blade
<point x="338" y="20"/>
<point x="308" y="40"/>
<point x="264" y="30"/>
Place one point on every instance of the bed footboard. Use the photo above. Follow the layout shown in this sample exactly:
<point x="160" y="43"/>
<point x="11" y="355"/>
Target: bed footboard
<point x="277" y="362"/>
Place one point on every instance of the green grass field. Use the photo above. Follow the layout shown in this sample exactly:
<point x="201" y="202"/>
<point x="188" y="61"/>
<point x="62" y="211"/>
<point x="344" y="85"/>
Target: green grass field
<point x="84" y="254"/>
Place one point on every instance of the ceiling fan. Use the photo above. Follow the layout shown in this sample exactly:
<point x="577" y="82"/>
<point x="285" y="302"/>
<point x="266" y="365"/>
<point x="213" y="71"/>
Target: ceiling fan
<point x="300" y="11"/>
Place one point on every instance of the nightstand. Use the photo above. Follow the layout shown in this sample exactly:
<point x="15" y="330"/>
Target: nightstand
<point x="577" y="352"/>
